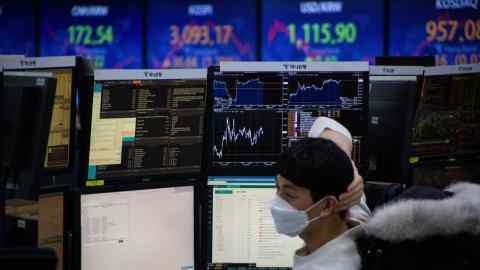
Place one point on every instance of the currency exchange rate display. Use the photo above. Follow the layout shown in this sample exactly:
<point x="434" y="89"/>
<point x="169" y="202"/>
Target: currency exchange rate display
<point x="448" y="30"/>
<point x="108" y="32"/>
<point x="322" y="31"/>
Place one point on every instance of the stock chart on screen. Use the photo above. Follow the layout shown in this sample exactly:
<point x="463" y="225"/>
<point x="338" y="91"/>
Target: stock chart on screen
<point x="201" y="34"/>
<point x="447" y="120"/>
<point x="322" y="31"/>
<point x="107" y="32"/>
<point x="447" y="30"/>
<point x="257" y="115"/>
<point x="17" y="27"/>
<point x="445" y="142"/>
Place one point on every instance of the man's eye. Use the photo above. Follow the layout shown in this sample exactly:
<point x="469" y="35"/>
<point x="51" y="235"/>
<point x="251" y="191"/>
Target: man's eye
<point x="290" y="196"/>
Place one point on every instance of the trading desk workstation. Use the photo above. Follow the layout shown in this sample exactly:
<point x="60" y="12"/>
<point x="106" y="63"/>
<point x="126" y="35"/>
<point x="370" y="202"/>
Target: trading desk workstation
<point x="148" y="134"/>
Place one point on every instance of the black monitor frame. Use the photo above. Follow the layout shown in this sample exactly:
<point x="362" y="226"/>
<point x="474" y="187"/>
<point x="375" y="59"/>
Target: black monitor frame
<point x="33" y="168"/>
<point x="211" y="170"/>
<point x="82" y="73"/>
<point x="440" y="159"/>
<point x="425" y="61"/>
<point x="66" y="192"/>
<point x="412" y="100"/>
<point x="207" y="240"/>
<point x="76" y="213"/>
<point x="133" y="180"/>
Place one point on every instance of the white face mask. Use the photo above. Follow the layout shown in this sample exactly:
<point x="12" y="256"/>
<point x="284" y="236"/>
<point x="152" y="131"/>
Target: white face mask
<point x="287" y="219"/>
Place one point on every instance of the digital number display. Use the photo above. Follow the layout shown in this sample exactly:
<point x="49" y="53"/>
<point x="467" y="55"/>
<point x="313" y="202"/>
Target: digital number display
<point x="447" y="30"/>
<point x="108" y="32"/>
<point x="87" y="35"/>
<point x="17" y="27"/>
<point x="200" y="34"/>
<point x="321" y="31"/>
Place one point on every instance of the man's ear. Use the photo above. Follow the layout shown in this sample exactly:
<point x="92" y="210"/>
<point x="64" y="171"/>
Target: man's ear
<point x="328" y="206"/>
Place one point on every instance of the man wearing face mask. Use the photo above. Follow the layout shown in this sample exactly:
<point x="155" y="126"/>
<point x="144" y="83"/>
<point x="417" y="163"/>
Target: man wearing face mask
<point x="311" y="176"/>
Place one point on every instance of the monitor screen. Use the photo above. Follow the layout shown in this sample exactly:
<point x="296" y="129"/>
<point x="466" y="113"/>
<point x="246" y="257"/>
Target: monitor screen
<point x="441" y="175"/>
<point x="69" y="74"/>
<point x="448" y="30"/>
<point x="322" y="31"/>
<point x="26" y="103"/>
<point x="142" y="129"/>
<point x="391" y="110"/>
<point x="146" y="229"/>
<point x="107" y="32"/>
<point x="17" y="27"/>
<point x="447" y="120"/>
<point x="241" y="232"/>
<point x="59" y="148"/>
<point x="51" y="224"/>
<point x="257" y="115"/>
<point x="201" y="34"/>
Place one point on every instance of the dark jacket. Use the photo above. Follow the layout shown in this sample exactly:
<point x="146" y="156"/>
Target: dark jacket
<point x="425" y="233"/>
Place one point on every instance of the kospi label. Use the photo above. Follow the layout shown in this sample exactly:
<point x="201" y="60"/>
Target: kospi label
<point x="200" y="10"/>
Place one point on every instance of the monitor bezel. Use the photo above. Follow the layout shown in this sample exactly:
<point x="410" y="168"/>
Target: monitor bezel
<point x="66" y="193"/>
<point x="207" y="244"/>
<point x="269" y="171"/>
<point x="28" y="79"/>
<point x="412" y="99"/>
<point x="76" y="213"/>
<point x="132" y="180"/>
<point x="80" y="71"/>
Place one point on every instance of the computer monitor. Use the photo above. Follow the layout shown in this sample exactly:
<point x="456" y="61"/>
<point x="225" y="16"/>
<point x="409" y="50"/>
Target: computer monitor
<point x="240" y="231"/>
<point x="45" y="223"/>
<point x="393" y="92"/>
<point x="54" y="223"/>
<point x="72" y="77"/>
<point x="147" y="125"/>
<point x="447" y="120"/>
<point x="262" y="108"/>
<point x="147" y="227"/>
<point x="448" y="115"/>
<point x="26" y="104"/>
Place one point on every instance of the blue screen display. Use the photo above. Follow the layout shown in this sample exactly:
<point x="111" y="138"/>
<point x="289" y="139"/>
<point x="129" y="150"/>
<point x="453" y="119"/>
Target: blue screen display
<point x="201" y="33"/>
<point x="322" y="30"/>
<point x="17" y="27"/>
<point x="108" y="32"/>
<point x="448" y="30"/>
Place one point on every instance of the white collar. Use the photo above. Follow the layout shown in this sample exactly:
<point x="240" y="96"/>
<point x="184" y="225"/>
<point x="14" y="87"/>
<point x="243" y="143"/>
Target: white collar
<point x="331" y="253"/>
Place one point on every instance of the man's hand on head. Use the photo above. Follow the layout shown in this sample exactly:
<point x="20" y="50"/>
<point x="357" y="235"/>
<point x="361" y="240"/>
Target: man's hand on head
<point x="354" y="192"/>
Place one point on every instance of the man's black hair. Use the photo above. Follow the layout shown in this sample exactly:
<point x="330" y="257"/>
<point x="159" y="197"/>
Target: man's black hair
<point x="318" y="165"/>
